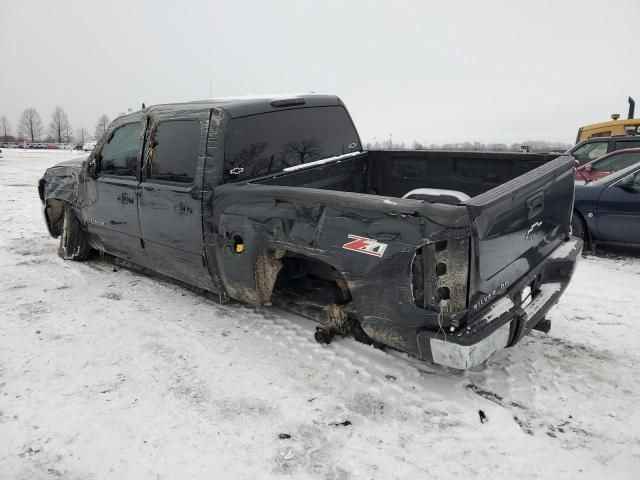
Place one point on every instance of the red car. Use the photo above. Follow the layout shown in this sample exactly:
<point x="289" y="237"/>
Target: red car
<point x="603" y="166"/>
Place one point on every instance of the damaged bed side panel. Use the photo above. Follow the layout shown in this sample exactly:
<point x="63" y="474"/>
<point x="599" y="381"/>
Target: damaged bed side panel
<point x="372" y="248"/>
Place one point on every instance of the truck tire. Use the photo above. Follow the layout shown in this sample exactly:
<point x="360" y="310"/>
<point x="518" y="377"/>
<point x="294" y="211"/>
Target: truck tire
<point x="578" y="228"/>
<point x="73" y="240"/>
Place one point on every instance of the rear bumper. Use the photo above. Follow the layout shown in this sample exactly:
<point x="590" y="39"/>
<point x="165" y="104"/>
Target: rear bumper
<point x="504" y="322"/>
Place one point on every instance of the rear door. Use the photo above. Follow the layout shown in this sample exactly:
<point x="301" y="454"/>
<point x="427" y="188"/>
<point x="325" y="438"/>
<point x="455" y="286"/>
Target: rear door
<point x="112" y="214"/>
<point x="171" y="196"/>
<point x="516" y="225"/>
<point x="618" y="215"/>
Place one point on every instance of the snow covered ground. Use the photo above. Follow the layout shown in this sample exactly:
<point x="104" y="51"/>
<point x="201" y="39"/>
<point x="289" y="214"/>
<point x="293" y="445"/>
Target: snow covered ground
<point x="109" y="374"/>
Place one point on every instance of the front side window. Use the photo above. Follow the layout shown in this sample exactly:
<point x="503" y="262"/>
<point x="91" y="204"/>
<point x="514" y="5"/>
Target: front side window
<point x="616" y="162"/>
<point x="590" y="151"/>
<point x="269" y="142"/>
<point x="175" y="151"/>
<point x="119" y="156"/>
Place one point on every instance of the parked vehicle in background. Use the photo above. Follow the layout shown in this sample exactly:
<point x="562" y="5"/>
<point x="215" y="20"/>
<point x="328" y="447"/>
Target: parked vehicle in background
<point x="89" y="146"/>
<point x="607" y="211"/>
<point x="595" y="148"/>
<point x="449" y="256"/>
<point x="613" y="127"/>
<point x="608" y="164"/>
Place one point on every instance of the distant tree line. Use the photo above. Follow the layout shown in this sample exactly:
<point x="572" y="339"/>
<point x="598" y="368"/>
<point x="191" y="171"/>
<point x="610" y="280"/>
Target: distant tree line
<point x="532" y="145"/>
<point x="30" y="128"/>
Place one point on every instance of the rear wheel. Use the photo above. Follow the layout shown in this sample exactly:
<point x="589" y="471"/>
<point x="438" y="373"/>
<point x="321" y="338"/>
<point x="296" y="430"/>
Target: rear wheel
<point x="578" y="228"/>
<point x="73" y="240"/>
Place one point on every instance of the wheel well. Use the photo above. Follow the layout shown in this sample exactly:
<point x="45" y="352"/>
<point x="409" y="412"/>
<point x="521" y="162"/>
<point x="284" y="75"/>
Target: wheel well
<point x="310" y="281"/>
<point x="585" y="225"/>
<point x="317" y="290"/>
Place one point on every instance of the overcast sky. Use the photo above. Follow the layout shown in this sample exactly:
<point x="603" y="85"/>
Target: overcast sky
<point x="487" y="70"/>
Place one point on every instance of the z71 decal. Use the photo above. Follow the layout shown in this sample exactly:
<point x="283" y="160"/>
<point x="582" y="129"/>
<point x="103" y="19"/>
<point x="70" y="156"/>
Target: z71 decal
<point x="365" y="245"/>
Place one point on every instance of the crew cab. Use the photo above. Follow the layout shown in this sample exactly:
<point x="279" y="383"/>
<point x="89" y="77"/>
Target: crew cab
<point x="448" y="256"/>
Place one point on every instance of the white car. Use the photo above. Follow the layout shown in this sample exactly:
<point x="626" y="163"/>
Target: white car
<point x="89" y="146"/>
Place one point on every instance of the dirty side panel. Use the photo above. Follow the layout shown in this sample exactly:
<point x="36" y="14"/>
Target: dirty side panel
<point x="371" y="241"/>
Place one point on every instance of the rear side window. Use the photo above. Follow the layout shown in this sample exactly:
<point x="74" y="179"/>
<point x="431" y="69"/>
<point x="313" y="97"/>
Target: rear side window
<point x="269" y="142"/>
<point x="616" y="162"/>
<point x="175" y="152"/>
<point x="119" y="156"/>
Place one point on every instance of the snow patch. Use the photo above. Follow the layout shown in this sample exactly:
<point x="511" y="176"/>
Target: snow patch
<point x="565" y="249"/>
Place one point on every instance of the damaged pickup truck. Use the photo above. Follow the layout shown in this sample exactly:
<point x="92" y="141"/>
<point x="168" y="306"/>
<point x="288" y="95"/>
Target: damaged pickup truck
<point x="448" y="256"/>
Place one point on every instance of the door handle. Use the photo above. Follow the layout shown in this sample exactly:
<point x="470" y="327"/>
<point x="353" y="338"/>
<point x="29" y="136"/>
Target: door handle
<point x="185" y="209"/>
<point x="535" y="204"/>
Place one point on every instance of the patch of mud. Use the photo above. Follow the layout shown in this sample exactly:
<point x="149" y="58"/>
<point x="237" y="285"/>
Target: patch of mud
<point x="109" y="387"/>
<point x="572" y="350"/>
<point x="527" y="420"/>
<point x="367" y="405"/>
<point x="310" y="454"/>
<point x="35" y="261"/>
<point x="111" y="296"/>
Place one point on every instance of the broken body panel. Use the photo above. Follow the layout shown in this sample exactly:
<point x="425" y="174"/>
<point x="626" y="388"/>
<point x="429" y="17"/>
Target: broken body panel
<point x="420" y="276"/>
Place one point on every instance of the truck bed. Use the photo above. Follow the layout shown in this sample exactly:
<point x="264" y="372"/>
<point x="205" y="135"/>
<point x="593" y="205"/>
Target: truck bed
<point x="392" y="173"/>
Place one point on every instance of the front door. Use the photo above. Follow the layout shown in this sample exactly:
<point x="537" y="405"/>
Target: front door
<point x="111" y="208"/>
<point x="171" y="197"/>
<point x="619" y="212"/>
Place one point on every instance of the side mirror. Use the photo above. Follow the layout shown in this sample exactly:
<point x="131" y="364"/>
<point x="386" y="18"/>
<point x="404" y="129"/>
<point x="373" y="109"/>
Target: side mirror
<point x="92" y="165"/>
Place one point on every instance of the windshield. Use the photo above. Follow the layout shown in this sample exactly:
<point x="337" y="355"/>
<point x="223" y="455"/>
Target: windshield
<point x="269" y="142"/>
<point x="589" y="151"/>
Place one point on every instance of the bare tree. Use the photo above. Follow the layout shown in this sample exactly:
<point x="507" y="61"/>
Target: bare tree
<point x="82" y="135"/>
<point x="306" y="150"/>
<point x="5" y="128"/>
<point x="101" y="127"/>
<point x="60" y="128"/>
<point x="30" y="124"/>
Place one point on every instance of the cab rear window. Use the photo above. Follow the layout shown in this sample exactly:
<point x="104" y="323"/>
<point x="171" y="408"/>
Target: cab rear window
<point x="260" y="144"/>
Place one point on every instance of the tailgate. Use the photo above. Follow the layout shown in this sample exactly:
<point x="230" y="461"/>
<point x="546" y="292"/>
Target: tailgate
<point x="516" y="225"/>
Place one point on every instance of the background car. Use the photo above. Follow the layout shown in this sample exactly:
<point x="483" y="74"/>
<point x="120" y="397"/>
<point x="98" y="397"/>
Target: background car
<point x="607" y="211"/>
<point x="608" y="164"/>
<point x="595" y="148"/>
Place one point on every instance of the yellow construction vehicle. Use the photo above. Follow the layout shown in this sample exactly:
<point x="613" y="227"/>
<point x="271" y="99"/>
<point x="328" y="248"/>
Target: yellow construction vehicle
<point x="614" y="127"/>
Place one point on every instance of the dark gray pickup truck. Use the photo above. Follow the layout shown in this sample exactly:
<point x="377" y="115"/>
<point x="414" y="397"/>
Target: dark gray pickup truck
<point x="449" y="256"/>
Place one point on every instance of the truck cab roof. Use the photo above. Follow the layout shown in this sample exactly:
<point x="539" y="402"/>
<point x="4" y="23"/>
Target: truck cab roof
<point x="245" y="105"/>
